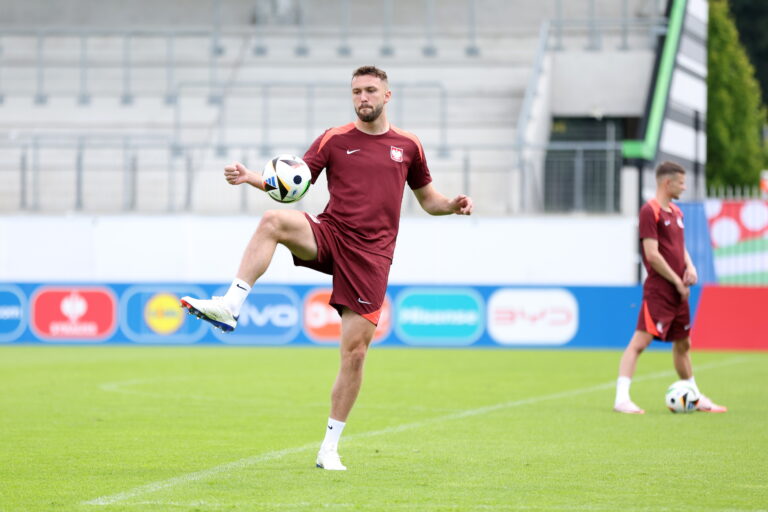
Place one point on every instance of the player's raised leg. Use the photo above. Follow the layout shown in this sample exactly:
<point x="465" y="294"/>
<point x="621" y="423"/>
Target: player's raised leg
<point x="287" y="227"/>
<point x="356" y="335"/>
<point x="639" y="342"/>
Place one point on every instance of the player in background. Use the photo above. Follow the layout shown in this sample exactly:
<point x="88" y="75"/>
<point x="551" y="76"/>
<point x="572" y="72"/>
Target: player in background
<point x="367" y="164"/>
<point x="664" y="314"/>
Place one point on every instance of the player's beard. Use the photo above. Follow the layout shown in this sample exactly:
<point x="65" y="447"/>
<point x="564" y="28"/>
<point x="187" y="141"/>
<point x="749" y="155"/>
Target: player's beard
<point x="370" y="115"/>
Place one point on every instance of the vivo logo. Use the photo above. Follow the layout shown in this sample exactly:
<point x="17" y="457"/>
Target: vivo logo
<point x="270" y="316"/>
<point x="282" y="315"/>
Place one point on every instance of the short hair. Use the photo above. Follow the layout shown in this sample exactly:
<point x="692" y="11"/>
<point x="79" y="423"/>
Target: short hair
<point x="668" y="168"/>
<point x="371" y="70"/>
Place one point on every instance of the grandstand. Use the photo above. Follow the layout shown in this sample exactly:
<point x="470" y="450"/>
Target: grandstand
<point x="106" y="111"/>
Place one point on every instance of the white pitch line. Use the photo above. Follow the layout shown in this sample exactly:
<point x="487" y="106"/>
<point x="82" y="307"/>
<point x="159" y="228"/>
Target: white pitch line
<point x="277" y="454"/>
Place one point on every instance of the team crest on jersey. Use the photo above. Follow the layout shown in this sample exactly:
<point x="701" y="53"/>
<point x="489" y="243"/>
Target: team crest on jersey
<point x="396" y="154"/>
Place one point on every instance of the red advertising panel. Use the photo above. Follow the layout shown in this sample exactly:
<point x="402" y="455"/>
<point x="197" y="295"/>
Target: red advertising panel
<point x="62" y="313"/>
<point x="323" y="324"/>
<point x="731" y="318"/>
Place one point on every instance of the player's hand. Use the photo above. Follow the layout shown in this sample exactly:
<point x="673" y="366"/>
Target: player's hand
<point x="236" y="174"/>
<point x="461" y="205"/>
<point x="683" y="290"/>
<point x="690" y="277"/>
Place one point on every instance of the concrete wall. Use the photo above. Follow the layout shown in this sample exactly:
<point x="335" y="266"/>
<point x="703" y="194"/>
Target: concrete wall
<point x="536" y="250"/>
<point x="621" y="77"/>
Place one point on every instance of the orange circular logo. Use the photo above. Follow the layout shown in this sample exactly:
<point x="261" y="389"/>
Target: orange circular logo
<point x="322" y="322"/>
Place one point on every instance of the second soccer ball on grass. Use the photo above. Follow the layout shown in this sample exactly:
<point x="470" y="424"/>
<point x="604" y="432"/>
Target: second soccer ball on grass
<point x="681" y="397"/>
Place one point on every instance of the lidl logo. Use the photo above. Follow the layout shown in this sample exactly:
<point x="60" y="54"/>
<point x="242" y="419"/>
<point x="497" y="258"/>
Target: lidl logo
<point x="439" y="316"/>
<point x="270" y="316"/>
<point x="163" y="314"/>
<point x="73" y="313"/>
<point x="153" y="314"/>
<point x="12" y="317"/>
<point x="532" y="316"/>
<point x="322" y="322"/>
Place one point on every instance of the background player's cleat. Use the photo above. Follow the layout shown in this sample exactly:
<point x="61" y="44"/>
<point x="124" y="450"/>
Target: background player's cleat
<point x="213" y="311"/>
<point x="329" y="459"/>
<point x="707" y="405"/>
<point x="628" y="407"/>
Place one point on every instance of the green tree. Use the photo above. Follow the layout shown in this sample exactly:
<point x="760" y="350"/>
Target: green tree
<point x="751" y="17"/>
<point x="735" y="116"/>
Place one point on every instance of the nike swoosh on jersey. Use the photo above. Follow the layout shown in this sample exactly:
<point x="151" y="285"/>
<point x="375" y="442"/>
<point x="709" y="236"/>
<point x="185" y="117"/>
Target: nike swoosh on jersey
<point x="350" y="151"/>
<point x="361" y="301"/>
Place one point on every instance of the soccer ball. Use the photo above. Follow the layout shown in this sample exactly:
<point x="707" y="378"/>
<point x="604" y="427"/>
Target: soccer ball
<point x="286" y="178"/>
<point x="681" y="397"/>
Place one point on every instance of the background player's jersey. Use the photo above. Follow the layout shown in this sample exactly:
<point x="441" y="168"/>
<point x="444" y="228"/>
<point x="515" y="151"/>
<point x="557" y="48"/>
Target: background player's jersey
<point x="366" y="178"/>
<point x="668" y="229"/>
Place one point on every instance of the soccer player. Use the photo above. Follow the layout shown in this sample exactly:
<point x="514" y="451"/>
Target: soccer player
<point x="367" y="163"/>
<point x="664" y="314"/>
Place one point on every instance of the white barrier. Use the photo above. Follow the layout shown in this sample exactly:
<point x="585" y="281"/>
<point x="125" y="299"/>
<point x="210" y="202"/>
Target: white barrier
<point x="563" y="250"/>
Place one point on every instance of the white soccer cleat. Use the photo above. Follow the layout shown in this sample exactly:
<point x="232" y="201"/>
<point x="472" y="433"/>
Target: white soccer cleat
<point x="329" y="459"/>
<point x="628" y="407"/>
<point x="213" y="311"/>
<point x="707" y="405"/>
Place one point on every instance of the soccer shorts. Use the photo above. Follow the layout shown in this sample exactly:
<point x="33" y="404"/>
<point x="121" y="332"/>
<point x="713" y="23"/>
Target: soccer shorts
<point x="667" y="318"/>
<point x="359" y="277"/>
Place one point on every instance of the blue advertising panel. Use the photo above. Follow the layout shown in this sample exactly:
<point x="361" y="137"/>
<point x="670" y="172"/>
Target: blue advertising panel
<point x="439" y="316"/>
<point x="426" y="316"/>
<point x="13" y="318"/>
<point x="270" y="316"/>
<point x="151" y="314"/>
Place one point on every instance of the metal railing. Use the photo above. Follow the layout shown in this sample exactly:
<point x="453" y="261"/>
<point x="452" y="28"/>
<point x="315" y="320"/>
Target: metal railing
<point x="263" y="91"/>
<point x="173" y="175"/>
<point x="596" y="27"/>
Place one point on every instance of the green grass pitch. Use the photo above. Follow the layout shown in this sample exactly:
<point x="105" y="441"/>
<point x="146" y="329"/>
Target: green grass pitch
<point x="106" y="429"/>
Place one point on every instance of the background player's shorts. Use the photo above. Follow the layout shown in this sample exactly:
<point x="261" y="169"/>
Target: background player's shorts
<point x="667" y="318"/>
<point x="359" y="277"/>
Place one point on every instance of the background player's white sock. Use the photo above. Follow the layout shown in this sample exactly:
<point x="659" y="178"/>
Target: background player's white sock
<point x="332" y="435"/>
<point x="622" y="389"/>
<point x="692" y="382"/>
<point x="236" y="295"/>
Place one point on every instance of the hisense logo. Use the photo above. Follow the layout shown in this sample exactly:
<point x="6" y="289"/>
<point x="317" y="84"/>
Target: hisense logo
<point x="423" y="316"/>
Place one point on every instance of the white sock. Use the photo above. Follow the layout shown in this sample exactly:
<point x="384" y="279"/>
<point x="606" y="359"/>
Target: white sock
<point x="622" y="389"/>
<point x="236" y="295"/>
<point x="332" y="435"/>
<point x="692" y="382"/>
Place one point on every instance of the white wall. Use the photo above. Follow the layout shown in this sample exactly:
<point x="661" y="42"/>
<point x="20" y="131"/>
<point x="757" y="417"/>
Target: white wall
<point x="548" y="249"/>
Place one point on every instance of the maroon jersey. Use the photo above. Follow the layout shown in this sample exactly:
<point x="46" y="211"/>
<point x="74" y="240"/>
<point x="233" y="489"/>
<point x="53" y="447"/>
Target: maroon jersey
<point x="366" y="179"/>
<point x="668" y="229"/>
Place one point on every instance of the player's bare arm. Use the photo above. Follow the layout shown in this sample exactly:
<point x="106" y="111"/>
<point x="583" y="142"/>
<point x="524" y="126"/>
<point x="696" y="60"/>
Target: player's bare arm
<point x="660" y="265"/>
<point x="237" y="174"/>
<point x="690" y="276"/>
<point x="435" y="203"/>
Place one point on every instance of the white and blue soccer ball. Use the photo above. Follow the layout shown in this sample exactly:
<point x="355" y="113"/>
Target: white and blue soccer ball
<point x="286" y="178"/>
<point x="681" y="397"/>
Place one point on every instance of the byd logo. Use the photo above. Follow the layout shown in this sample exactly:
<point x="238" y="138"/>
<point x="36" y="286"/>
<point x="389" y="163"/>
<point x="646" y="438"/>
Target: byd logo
<point x="270" y="316"/>
<point x="533" y="316"/>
